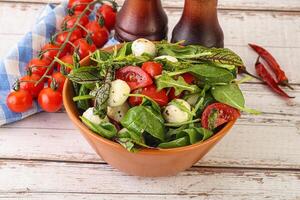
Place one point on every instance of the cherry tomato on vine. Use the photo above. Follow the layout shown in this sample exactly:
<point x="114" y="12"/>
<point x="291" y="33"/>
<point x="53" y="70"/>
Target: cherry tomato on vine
<point x="79" y="5"/>
<point x="152" y="68"/>
<point x="66" y="59"/>
<point x="224" y="114"/>
<point x="70" y="20"/>
<point x="99" y="34"/>
<point x="109" y="15"/>
<point x="28" y="82"/>
<point x="61" y="37"/>
<point x="83" y="48"/>
<point x="19" y="101"/>
<point x="38" y="66"/>
<point x="59" y="79"/>
<point x="49" y="51"/>
<point x="134" y="76"/>
<point x="151" y="91"/>
<point x="50" y="100"/>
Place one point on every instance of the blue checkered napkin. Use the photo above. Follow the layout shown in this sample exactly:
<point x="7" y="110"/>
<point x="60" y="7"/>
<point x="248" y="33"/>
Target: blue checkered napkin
<point x="13" y="65"/>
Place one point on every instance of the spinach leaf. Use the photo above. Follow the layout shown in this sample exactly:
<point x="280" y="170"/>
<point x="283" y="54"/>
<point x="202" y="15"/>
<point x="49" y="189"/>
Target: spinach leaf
<point x="83" y="104"/>
<point x="127" y="143"/>
<point x="166" y="81"/>
<point x="136" y="138"/>
<point x="105" y="129"/>
<point x="195" y="134"/>
<point x="231" y="95"/>
<point x="180" y="142"/>
<point x="85" y="75"/>
<point x="141" y="118"/>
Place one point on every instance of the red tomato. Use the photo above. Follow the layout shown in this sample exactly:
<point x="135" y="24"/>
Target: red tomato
<point x="79" y="5"/>
<point x="19" y="101"/>
<point x="152" y="68"/>
<point x="61" y="37"/>
<point x="109" y="15"/>
<point x="60" y="80"/>
<point x="69" y="22"/>
<point x="188" y="78"/>
<point x="84" y="48"/>
<point x="28" y="83"/>
<point x="225" y="114"/>
<point x="49" y="51"/>
<point x="159" y="97"/>
<point x="50" y="100"/>
<point x="66" y="59"/>
<point x="38" y="66"/>
<point x="99" y="34"/>
<point x="135" y="77"/>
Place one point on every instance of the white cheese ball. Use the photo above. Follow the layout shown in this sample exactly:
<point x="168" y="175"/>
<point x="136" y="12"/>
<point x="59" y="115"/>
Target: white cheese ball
<point x="117" y="113"/>
<point x="174" y="114"/>
<point x="141" y="46"/>
<point x="89" y="114"/>
<point x="119" y="92"/>
<point x="168" y="58"/>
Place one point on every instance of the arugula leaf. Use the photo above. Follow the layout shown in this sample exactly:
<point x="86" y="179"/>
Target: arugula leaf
<point x="231" y="95"/>
<point x="105" y="129"/>
<point x="166" y="81"/>
<point x="140" y="118"/>
<point x="85" y="75"/>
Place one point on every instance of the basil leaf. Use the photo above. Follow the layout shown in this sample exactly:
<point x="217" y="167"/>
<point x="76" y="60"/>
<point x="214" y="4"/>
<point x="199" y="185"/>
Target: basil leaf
<point x="85" y="75"/>
<point x="140" y="118"/>
<point x="180" y="142"/>
<point x="105" y="129"/>
<point x="231" y="95"/>
<point x="166" y="81"/>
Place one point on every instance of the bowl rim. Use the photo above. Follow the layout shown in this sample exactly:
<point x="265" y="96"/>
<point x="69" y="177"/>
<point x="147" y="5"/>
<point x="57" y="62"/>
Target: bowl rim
<point x="75" y="119"/>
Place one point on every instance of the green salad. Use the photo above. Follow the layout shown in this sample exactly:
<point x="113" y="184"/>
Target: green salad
<point x="158" y="95"/>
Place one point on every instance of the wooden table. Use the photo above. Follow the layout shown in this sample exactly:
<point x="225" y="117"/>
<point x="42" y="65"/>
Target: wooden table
<point x="45" y="157"/>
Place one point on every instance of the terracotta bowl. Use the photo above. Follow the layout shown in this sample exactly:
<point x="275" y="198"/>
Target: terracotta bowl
<point x="148" y="162"/>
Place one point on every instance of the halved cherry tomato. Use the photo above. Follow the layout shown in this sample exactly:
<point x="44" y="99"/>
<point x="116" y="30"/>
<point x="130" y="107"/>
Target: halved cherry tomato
<point x="152" y="68"/>
<point x="159" y="97"/>
<point x="135" y="77"/>
<point x="66" y="59"/>
<point x="38" y="66"/>
<point x="69" y="22"/>
<point x="49" y="51"/>
<point x="28" y="82"/>
<point x="84" y="48"/>
<point x="50" y="100"/>
<point x="99" y="34"/>
<point x="225" y="114"/>
<point x="19" y="101"/>
<point x="109" y="15"/>
<point x="188" y="78"/>
<point x="59" y="79"/>
<point x="79" y="5"/>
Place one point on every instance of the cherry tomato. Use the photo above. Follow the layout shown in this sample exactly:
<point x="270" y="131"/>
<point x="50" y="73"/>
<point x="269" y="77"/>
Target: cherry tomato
<point x="99" y="34"/>
<point x="135" y="77"/>
<point x="28" y="83"/>
<point x="159" y="97"/>
<point x="38" y="66"/>
<point x="188" y="78"/>
<point x="66" y="59"/>
<point x="225" y="114"/>
<point x="84" y="48"/>
<point x="152" y="68"/>
<point x="59" y="79"/>
<point x="51" y="50"/>
<point x="79" y="5"/>
<point x="109" y="15"/>
<point x="69" y="22"/>
<point x="19" y="101"/>
<point x="50" y="100"/>
<point x="61" y="37"/>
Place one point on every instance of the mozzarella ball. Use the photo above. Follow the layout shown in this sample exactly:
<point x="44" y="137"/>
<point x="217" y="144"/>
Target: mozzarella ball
<point x="141" y="46"/>
<point x="119" y="92"/>
<point x="117" y="113"/>
<point x="89" y="114"/>
<point x="174" y="114"/>
<point x="168" y="58"/>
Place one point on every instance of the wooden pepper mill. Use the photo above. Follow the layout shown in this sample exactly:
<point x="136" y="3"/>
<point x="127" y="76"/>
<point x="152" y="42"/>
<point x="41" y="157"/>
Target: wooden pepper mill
<point x="199" y="24"/>
<point x="141" y="19"/>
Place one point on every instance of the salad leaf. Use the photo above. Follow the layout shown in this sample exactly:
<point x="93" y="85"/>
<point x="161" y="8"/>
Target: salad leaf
<point x="141" y="118"/>
<point x="231" y="95"/>
<point x="124" y="50"/>
<point x="83" y="104"/>
<point x="85" y="75"/>
<point x="105" y="129"/>
<point x="180" y="142"/>
<point x="127" y="143"/>
<point x="166" y="81"/>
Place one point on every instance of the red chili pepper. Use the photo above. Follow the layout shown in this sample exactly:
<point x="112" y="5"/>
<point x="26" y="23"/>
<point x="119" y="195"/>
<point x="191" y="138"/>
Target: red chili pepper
<point x="268" y="79"/>
<point x="280" y="74"/>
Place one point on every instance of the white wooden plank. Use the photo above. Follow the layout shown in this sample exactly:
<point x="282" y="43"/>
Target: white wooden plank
<point x="55" y="177"/>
